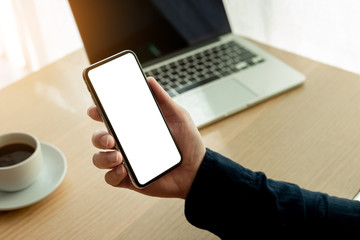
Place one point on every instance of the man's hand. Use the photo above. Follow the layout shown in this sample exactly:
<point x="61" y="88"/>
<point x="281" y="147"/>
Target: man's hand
<point x="176" y="183"/>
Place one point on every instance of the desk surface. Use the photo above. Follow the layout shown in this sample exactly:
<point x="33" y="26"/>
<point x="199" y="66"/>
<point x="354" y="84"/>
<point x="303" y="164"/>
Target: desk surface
<point x="309" y="136"/>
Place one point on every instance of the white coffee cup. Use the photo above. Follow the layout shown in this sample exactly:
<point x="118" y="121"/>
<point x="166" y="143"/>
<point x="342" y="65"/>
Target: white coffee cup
<point x="17" y="176"/>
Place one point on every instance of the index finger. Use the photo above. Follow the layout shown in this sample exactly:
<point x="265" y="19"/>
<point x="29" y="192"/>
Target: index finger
<point x="94" y="113"/>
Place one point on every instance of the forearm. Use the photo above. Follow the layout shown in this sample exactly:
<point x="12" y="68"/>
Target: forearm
<point x="229" y="200"/>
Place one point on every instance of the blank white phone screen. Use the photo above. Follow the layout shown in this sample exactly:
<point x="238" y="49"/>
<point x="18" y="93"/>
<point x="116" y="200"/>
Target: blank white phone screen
<point x="135" y="117"/>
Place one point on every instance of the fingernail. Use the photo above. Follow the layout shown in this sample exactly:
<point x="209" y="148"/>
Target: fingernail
<point x="104" y="140"/>
<point x="115" y="160"/>
<point x="120" y="169"/>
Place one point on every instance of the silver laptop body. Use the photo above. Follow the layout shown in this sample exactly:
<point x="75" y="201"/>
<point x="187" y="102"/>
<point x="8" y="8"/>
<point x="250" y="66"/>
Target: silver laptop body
<point x="188" y="47"/>
<point x="237" y="91"/>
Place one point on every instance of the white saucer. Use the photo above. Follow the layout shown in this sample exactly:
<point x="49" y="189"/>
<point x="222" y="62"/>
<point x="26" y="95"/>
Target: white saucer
<point x="51" y="176"/>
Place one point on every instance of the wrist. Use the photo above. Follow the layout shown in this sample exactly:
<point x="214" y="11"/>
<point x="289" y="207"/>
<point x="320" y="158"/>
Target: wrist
<point x="193" y="170"/>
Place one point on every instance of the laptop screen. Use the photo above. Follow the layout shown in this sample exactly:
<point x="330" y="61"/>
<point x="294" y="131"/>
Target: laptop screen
<point x="151" y="28"/>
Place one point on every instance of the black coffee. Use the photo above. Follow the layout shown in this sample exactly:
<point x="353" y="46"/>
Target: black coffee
<point x="14" y="153"/>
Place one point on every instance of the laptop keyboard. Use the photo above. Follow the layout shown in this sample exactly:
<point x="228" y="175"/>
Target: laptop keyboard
<point x="204" y="67"/>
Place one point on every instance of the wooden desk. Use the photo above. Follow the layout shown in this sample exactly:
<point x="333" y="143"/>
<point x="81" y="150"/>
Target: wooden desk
<point x="309" y="136"/>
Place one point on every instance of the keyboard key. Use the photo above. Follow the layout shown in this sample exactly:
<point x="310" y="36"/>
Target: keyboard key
<point x="241" y="65"/>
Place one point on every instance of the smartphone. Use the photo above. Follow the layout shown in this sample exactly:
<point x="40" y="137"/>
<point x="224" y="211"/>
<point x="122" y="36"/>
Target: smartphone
<point x="133" y="117"/>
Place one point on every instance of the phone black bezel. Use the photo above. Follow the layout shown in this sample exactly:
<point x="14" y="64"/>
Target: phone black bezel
<point x="108" y="123"/>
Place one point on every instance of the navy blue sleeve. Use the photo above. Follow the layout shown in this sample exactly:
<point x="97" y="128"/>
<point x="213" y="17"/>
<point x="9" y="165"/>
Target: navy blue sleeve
<point x="230" y="201"/>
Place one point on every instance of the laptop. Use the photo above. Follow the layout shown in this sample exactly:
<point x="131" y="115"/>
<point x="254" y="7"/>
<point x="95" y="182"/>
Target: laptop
<point x="189" y="48"/>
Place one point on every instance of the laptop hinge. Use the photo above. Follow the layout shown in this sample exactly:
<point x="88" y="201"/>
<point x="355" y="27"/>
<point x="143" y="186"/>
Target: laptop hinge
<point x="182" y="51"/>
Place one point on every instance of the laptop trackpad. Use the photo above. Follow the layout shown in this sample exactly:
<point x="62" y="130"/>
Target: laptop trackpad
<point x="216" y="100"/>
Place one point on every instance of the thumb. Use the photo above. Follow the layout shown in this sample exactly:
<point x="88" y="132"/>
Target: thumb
<point x="165" y="102"/>
<point x="160" y="94"/>
<point x="168" y="106"/>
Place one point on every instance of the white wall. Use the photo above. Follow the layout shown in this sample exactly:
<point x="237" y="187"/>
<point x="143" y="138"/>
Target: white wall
<point x="34" y="33"/>
<point x="324" y="30"/>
